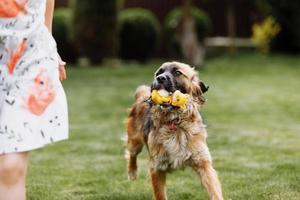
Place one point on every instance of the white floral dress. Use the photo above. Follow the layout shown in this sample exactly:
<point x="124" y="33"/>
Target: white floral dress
<point x="33" y="107"/>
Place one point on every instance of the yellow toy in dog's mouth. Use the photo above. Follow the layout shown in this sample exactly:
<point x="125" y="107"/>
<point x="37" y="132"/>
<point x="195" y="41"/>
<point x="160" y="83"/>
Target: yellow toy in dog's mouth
<point x="177" y="99"/>
<point x="160" y="97"/>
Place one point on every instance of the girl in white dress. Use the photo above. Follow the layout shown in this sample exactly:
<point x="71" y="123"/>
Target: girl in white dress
<point x="33" y="108"/>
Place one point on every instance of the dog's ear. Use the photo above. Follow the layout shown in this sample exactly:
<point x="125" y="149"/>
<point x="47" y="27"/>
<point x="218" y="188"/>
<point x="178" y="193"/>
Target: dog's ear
<point x="203" y="86"/>
<point x="198" y="89"/>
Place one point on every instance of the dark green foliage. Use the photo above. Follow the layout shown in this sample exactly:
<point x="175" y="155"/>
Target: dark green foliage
<point x="202" y="23"/>
<point x="138" y="33"/>
<point x="95" y="28"/>
<point x="61" y="31"/>
<point x="288" y="15"/>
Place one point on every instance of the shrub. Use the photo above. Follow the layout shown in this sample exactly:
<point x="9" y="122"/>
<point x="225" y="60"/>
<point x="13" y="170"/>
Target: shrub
<point x="287" y="15"/>
<point x="61" y="30"/>
<point x="138" y="33"/>
<point x="95" y="28"/>
<point x="264" y="32"/>
<point x="202" y="23"/>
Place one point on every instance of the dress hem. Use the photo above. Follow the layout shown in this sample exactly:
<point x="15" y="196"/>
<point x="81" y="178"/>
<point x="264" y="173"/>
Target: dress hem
<point x="33" y="148"/>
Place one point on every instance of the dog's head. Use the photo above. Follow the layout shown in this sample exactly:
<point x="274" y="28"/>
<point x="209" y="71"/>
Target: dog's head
<point x="173" y="76"/>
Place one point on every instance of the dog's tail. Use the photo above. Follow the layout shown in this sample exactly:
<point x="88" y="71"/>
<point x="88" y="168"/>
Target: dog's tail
<point x="142" y="93"/>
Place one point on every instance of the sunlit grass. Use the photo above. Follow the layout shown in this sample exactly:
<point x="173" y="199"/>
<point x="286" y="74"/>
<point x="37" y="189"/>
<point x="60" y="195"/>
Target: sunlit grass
<point x="253" y="118"/>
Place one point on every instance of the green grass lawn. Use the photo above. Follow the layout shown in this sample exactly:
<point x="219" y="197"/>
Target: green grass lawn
<point x="253" y="118"/>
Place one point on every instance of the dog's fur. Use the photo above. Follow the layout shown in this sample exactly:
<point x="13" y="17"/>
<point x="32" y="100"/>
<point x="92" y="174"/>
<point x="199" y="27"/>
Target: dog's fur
<point x="174" y="138"/>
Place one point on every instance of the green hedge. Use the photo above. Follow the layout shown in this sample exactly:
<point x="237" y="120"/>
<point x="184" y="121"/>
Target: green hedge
<point x="95" y="24"/>
<point x="138" y="33"/>
<point x="202" y="23"/>
<point x="61" y="30"/>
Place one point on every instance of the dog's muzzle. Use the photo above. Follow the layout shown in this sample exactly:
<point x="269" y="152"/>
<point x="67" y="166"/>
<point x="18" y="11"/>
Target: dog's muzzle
<point x="163" y="81"/>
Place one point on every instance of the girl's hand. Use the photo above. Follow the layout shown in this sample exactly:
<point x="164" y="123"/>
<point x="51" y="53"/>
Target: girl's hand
<point x="62" y="69"/>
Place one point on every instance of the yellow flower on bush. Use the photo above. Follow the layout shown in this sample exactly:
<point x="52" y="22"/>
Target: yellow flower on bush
<point x="264" y="32"/>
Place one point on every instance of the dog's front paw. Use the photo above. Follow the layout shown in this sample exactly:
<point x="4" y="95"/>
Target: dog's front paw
<point x="132" y="175"/>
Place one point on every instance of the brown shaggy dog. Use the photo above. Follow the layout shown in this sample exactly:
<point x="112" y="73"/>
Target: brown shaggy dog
<point x="174" y="138"/>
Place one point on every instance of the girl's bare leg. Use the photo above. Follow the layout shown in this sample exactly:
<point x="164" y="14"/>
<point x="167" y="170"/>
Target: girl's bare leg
<point x="13" y="170"/>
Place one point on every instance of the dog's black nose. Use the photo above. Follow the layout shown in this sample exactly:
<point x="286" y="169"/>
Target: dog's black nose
<point x="161" y="79"/>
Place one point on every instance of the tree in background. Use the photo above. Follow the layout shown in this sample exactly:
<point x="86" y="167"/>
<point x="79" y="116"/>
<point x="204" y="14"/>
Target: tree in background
<point x="185" y="29"/>
<point x="192" y="49"/>
<point x="95" y="24"/>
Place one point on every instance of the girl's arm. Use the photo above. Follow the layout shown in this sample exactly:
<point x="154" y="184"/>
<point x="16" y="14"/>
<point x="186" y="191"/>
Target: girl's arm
<point x="48" y="23"/>
<point x="49" y="14"/>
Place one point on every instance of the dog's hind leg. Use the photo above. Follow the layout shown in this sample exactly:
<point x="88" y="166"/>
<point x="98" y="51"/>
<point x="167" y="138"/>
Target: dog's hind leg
<point x="158" y="179"/>
<point x="134" y="147"/>
<point x="209" y="179"/>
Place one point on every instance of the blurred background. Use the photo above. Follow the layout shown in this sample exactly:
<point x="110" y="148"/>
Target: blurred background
<point x="247" y="51"/>
<point x="188" y="30"/>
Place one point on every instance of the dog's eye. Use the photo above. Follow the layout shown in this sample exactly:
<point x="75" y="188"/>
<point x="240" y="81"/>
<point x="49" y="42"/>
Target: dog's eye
<point x="159" y="72"/>
<point x="177" y="73"/>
